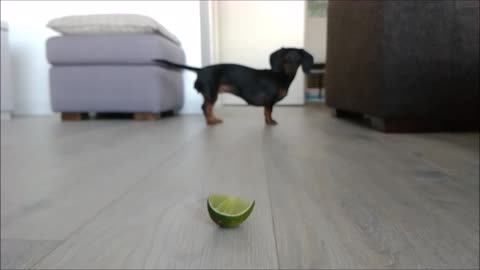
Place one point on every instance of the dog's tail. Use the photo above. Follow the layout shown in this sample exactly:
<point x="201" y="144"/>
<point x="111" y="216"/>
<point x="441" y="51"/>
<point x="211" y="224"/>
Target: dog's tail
<point x="169" y="64"/>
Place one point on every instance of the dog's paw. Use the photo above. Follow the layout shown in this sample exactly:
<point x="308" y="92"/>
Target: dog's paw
<point x="214" y="121"/>
<point x="271" y="122"/>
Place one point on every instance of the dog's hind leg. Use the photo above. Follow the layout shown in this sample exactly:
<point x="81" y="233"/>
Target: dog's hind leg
<point x="208" y="103"/>
<point x="210" y="118"/>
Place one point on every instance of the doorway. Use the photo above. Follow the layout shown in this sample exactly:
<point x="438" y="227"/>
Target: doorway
<point x="247" y="32"/>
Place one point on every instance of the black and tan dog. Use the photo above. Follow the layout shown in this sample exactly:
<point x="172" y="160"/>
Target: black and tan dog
<point x="257" y="87"/>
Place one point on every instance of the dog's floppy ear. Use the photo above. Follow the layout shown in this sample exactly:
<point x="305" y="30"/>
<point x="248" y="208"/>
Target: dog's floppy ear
<point x="276" y="60"/>
<point x="307" y="61"/>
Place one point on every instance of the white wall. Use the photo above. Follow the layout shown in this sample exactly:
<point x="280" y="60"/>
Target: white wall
<point x="28" y="33"/>
<point x="206" y="21"/>
<point x="316" y="38"/>
<point x="249" y="31"/>
<point x="6" y="95"/>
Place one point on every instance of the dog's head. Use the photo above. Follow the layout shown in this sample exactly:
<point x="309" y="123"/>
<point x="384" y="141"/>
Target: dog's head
<point x="288" y="60"/>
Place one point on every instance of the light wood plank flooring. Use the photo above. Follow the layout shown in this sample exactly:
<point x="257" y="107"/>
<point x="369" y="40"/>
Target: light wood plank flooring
<point x="329" y="194"/>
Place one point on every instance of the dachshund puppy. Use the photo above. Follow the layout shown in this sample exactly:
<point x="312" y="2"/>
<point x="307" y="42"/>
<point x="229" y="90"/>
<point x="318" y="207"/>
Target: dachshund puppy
<point x="257" y="87"/>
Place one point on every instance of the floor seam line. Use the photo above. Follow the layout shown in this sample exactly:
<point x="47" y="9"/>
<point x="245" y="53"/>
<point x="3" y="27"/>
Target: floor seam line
<point x="267" y="174"/>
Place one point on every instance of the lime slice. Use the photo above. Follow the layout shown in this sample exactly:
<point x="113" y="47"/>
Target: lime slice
<point x="229" y="211"/>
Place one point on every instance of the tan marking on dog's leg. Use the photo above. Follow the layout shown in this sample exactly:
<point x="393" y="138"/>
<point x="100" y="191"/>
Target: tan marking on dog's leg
<point x="268" y="115"/>
<point x="210" y="117"/>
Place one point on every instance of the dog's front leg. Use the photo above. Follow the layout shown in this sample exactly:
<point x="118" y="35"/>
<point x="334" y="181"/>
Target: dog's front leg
<point x="268" y="115"/>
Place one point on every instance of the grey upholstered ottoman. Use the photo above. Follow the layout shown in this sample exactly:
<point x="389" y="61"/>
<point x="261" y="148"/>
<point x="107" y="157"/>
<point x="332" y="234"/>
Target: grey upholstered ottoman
<point x="113" y="74"/>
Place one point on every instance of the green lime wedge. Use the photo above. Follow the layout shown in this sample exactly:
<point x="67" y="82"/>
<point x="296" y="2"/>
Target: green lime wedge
<point x="229" y="211"/>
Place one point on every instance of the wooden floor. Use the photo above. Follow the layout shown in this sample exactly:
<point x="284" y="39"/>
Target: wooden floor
<point x="329" y="194"/>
